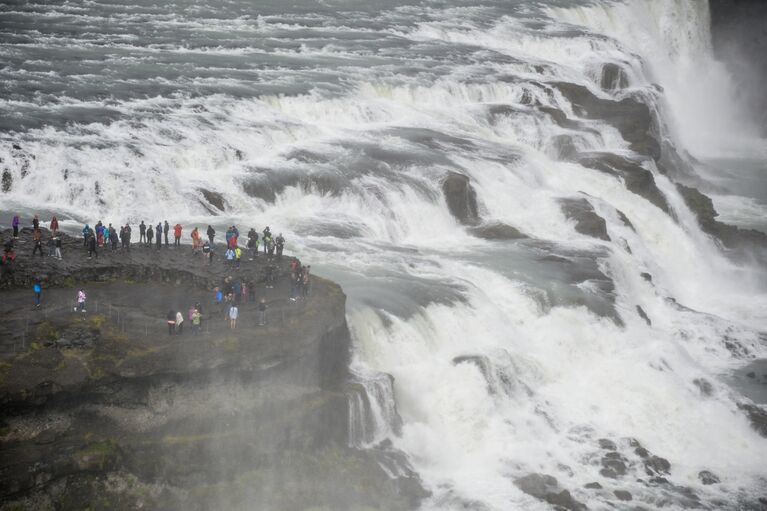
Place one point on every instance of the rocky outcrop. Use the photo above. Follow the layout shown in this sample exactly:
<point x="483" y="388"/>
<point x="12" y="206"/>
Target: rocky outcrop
<point x="496" y="231"/>
<point x="631" y="117"/>
<point x="214" y="199"/>
<point x="461" y="198"/>
<point x="105" y="407"/>
<point x="546" y="488"/>
<point x="586" y="220"/>
<point x="732" y="237"/>
<point x="613" y="77"/>
<point x="637" y="179"/>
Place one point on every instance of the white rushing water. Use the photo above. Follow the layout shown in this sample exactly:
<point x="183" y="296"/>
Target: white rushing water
<point x="554" y="353"/>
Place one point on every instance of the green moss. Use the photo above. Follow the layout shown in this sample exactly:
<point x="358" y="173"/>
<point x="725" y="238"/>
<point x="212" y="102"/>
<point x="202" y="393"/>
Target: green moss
<point x="68" y="281"/>
<point x="46" y="331"/>
<point x="5" y="431"/>
<point x="34" y="346"/>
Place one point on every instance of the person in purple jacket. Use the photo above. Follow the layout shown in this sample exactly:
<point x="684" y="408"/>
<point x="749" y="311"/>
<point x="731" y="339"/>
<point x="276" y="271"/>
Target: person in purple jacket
<point x="15" y="225"/>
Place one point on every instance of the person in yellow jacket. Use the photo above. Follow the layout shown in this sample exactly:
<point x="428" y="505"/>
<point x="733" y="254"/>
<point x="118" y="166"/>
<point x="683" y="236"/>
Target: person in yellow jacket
<point x="237" y="257"/>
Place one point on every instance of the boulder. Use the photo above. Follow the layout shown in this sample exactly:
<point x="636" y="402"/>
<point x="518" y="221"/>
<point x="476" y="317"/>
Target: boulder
<point x="757" y="415"/>
<point x="546" y="488"/>
<point x="461" y="198"/>
<point x="707" y="478"/>
<point x="613" y="77"/>
<point x="586" y="220"/>
<point x="496" y="231"/>
<point x="215" y="199"/>
<point x="643" y="315"/>
<point x="623" y="495"/>
<point x="630" y="116"/>
<point x="613" y="465"/>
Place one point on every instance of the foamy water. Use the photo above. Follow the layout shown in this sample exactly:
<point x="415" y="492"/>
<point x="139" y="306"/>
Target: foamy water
<point x="335" y="124"/>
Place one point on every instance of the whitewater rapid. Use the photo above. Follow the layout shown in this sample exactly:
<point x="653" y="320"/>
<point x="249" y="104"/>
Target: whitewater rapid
<point x="336" y="126"/>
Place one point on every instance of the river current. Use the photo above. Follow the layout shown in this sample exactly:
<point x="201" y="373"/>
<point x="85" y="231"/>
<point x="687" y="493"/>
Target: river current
<point x="336" y="122"/>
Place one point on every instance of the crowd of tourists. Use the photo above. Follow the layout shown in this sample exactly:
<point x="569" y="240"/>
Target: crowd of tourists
<point x="227" y="297"/>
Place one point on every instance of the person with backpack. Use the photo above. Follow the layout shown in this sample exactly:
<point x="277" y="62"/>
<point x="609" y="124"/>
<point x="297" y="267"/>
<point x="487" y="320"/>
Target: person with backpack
<point x="218" y="298"/>
<point x="252" y="244"/>
<point x="81" y="298"/>
<point x="229" y="255"/>
<point x="38" y="289"/>
<point x="113" y="237"/>
<point x="127" y="236"/>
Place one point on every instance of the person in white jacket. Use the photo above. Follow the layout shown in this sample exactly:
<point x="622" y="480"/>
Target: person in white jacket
<point x="179" y="322"/>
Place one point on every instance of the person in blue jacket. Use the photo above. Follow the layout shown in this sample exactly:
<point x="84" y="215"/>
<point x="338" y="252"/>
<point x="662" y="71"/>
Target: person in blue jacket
<point x="38" y="289"/>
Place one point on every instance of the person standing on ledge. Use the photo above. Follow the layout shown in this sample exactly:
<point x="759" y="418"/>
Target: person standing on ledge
<point x="38" y="289"/>
<point x="211" y="234"/>
<point x="37" y="237"/>
<point x="165" y="230"/>
<point x="177" y="234"/>
<point x="233" y="313"/>
<point x="262" y="312"/>
<point x="171" y="320"/>
<point x="159" y="235"/>
<point x="57" y="247"/>
<point x="86" y="233"/>
<point x="54" y="225"/>
<point x="141" y="233"/>
<point x="280" y="244"/>
<point x="15" y="224"/>
<point x="149" y="236"/>
<point x="81" y="300"/>
<point x="92" y="247"/>
<point x="35" y="223"/>
<point x="179" y="323"/>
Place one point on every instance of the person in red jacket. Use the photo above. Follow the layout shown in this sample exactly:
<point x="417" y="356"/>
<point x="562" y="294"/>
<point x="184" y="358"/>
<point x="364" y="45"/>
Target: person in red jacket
<point x="54" y="225"/>
<point x="177" y="234"/>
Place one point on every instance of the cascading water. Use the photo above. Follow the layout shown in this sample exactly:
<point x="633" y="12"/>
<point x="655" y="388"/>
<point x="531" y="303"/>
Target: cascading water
<point x="554" y="353"/>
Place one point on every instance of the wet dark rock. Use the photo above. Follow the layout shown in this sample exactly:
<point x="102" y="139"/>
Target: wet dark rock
<point x="625" y="220"/>
<point x="704" y="386"/>
<point x="630" y="116"/>
<point x="623" y="495"/>
<point x="546" y="488"/>
<point x="215" y="199"/>
<point x="646" y="276"/>
<point x="735" y="347"/>
<point x="16" y="146"/>
<point x="751" y="375"/>
<point x="7" y="181"/>
<point x="703" y="207"/>
<point x="564" y="147"/>
<point x="613" y="77"/>
<point x="496" y="231"/>
<point x="593" y="486"/>
<point x="655" y="465"/>
<point x="614" y="465"/>
<point x="637" y="179"/>
<point x="607" y="444"/>
<point x="757" y="415"/>
<point x="707" y="478"/>
<point x="461" y="198"/>
<point x="586" y="220"/>
<point x="643" y="315"/>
